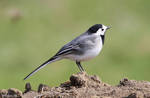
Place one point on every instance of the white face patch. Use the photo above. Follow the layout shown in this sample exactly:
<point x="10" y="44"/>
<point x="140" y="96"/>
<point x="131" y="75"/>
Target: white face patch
<point x="102" y="30"/>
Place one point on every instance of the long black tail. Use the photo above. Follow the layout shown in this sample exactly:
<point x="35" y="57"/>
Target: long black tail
<point x="53" y="59"/>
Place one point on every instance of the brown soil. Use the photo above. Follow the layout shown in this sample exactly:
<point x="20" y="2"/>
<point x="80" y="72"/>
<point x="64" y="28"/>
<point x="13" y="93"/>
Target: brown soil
<point x="82" y="85"/>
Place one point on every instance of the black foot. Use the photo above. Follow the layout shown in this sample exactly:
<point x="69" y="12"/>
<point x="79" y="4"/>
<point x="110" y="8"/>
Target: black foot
<point x="79" y="66"/>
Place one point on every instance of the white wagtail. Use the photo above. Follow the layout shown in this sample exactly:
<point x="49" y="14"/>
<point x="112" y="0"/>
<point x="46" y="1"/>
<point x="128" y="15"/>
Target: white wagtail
<point x="85" y="47"/>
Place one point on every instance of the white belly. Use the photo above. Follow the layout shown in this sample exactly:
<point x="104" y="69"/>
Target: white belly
<point x="89" y="54"/>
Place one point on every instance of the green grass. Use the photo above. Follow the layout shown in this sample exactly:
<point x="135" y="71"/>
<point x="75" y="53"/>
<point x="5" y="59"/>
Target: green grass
<point x="33" y="38"/>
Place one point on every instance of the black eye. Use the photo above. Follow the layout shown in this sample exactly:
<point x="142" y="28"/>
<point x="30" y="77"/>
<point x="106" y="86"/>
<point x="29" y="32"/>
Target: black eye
<point x="102" y="29"/>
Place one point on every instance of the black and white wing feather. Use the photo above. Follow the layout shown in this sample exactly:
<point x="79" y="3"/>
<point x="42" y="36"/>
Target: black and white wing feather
<point x="67" y="49"/>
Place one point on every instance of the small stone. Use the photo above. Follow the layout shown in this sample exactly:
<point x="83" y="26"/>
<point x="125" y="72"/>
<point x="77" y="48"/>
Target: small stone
<point x="77" y="81"/>
<point x="3" y="91"/>
<point x="95" y="78"/>
<point x="15" y="92"/>
<point x="123" y="82"/>
<point x="27" y="88"/>
<point x="43" y="88"/>
<point x="125" y="79"/>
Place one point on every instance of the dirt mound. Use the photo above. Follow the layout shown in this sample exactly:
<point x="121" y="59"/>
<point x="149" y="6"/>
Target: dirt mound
<point x="82" y="85"/>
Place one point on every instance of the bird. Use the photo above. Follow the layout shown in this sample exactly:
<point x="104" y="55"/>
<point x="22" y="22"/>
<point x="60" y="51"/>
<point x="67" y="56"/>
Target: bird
<point x="83" y="48"/>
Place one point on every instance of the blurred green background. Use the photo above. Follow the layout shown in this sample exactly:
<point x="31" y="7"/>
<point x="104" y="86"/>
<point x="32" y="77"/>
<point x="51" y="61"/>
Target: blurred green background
<point x="31" y="31"/>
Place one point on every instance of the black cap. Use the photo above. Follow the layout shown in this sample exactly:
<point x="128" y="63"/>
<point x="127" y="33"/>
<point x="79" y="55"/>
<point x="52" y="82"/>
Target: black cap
<point x="94" y="28"/>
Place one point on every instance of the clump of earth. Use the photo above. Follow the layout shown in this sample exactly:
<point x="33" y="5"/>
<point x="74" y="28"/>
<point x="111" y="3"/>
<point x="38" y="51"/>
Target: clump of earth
<point x="82" y="85"/>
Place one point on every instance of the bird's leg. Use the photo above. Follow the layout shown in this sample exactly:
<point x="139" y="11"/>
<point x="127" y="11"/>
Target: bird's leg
<point x="79" y="66"/>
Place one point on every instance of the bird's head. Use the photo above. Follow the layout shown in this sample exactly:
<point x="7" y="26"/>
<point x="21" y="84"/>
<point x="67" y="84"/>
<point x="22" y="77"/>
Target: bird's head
<point x="98" y="29"/>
